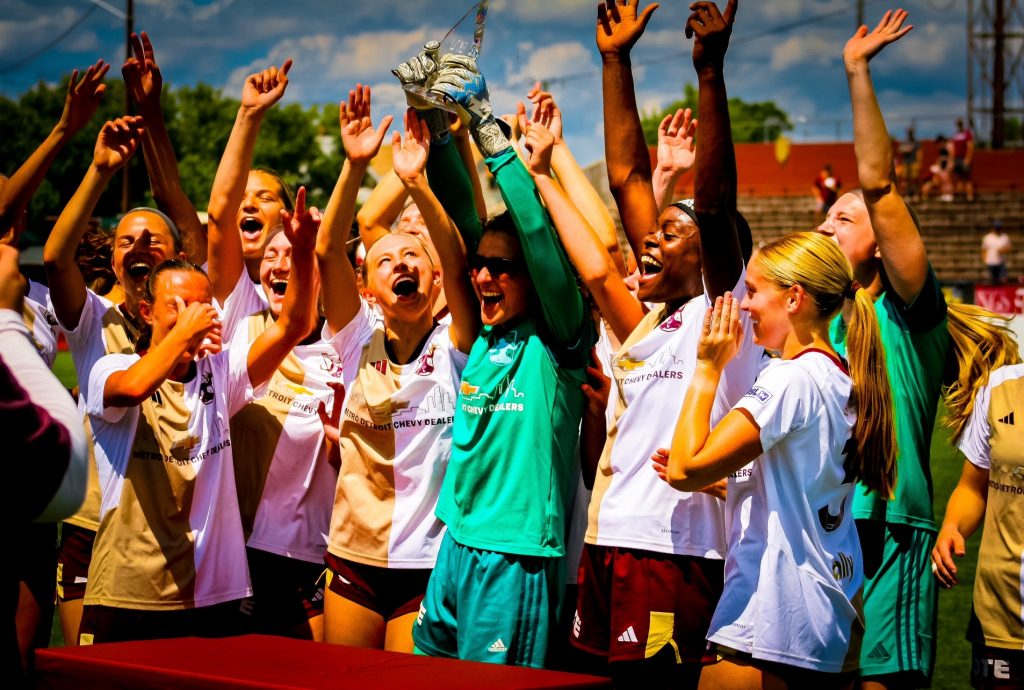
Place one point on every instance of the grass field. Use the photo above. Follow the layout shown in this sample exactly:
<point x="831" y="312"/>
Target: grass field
<point x="953" y="656"/>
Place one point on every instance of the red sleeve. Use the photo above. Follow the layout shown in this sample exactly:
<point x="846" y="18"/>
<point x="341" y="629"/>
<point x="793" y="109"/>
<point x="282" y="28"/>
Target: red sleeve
<point x="39" y="449"/>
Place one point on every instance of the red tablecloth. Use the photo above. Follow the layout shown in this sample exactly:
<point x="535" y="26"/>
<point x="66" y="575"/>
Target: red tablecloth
<point x="261" y="661"/>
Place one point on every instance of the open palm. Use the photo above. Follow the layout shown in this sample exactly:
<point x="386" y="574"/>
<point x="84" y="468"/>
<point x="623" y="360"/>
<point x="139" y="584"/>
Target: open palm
<point x="864" y="45"/>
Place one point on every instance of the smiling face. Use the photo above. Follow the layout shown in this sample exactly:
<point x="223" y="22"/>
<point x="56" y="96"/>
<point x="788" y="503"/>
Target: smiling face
<point x="500" y="279"/>
<point x="670" y="262"/>
<point x="162" y="313"/>
<point x="141" y="241"/>
<point x="401" y="277"/>
<point x="769" y="308"/>
<point x="849" y="225"/>
<point x="260" y="212"/>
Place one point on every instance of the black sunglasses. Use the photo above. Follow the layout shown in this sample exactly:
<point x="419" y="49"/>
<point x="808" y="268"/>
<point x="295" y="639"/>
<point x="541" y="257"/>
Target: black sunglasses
<point x="495" y="265"/>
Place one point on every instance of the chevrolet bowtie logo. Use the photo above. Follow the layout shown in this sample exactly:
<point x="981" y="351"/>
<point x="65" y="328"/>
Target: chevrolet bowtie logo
<point x="628" y="363"/>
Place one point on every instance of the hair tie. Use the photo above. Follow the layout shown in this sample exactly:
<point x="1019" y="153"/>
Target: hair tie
<point x="851" y="290"/>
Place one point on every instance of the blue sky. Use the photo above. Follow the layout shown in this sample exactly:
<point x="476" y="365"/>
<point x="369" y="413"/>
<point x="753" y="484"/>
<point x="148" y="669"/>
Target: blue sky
<point x="336" y="44"/>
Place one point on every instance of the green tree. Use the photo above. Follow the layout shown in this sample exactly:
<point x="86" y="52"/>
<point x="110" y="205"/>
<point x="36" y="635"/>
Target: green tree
<point x="750" y="121"/>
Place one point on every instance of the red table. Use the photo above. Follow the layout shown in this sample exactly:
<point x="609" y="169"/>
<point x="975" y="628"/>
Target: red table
<point x="261" y="661"/>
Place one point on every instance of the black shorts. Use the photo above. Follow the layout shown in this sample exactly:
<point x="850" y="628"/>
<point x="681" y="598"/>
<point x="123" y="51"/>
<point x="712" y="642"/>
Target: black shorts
<point x="390" y="592"/>
<point x="109" y="624"/>
<point x="996" y="669"/>
<point x="286" y="591"/>
<point x="632" y="603"/>
<point x="73" y="559"/>
<point x="792" y="676"/>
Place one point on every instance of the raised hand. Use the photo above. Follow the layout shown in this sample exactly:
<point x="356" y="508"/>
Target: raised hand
<point x="546" y="111"/>
<point x="864" y="45"/>
<point x="360" y="139"/>
<point x="332" y="423"/>
<point x="117" y="142"/>
<point x="420" y="69"/>
<point x="461" y="82"/>
<point x="712" y="30"/>
<point x="141" y="74"/>
<point x="618" y="25"/>
<point x="263" y="89"/>
<point x="539" y="144"/>
<point x="301" y="226"/>
<point x="721" y="334"/>
<point x="12" y="284"/>
<point x="83" y="97"/>
<point x="409" y="154"/>
<point x="676" y="141"/>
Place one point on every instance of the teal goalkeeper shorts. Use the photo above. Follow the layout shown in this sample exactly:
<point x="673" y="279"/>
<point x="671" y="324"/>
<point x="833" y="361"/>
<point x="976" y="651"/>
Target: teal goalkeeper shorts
<point x="488" y="606"/>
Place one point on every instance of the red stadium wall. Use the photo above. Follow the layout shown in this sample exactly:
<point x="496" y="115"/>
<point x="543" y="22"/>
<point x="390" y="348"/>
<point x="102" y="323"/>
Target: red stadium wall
<point x="761" y="175"/>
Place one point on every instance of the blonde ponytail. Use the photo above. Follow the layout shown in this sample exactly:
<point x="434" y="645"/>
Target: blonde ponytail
<point x="981" y="342"/>
<point x="875" y="429"/>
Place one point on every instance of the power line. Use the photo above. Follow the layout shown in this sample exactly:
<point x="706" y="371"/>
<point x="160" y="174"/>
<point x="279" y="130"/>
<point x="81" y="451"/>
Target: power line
<point x="745" y="38"/>
<point x="32" y="56"/>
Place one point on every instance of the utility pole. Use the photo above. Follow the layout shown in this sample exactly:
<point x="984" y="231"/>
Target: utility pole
<point x="129" y="27"/>
<point x="995" y="61"/>
<point x="860" y="14"/>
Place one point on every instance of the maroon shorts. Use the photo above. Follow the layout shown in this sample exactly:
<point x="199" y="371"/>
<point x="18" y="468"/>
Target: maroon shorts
<point x="286" y="591"/>
<point x="73" y="559"/>
<point x="390" y="592"/>
<point x="632" y="603"/>
<point x="109" y="624"/>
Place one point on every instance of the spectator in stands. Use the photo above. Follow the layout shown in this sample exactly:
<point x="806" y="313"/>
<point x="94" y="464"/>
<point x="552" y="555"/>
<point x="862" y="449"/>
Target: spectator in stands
<point x="825" y="189"/>
<point x="908" y="165"/>
<point x="940" y="172"/>
<point x="963" y="157"/>
<point x="995" y="245"/>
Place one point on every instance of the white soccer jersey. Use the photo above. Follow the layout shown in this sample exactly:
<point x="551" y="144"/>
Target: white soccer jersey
<point x="794" y="567"/>
<point x="37" y="313"/>
<point x="631" y="506"/>
<point x="285" y="483"/>
<point x="395" y="443"/>
<point x="170" y="534"/>
<point x="103" y="328"/>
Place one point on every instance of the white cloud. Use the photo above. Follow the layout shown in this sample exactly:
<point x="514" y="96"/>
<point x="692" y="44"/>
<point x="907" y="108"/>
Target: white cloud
<point x="798" y="50"/>
<point x="551" y="61"/>
<point x="540" y="11"/>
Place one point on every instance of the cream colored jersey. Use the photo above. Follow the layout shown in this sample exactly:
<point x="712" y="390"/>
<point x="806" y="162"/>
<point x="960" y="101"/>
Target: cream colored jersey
<point x="994" y="440"/>
<point x="396" y="438"/>
<point x="103" y="329"/>
<point x="170" y="535"/>
<point x="285" y="483"/>
<point x="631" y="507"/>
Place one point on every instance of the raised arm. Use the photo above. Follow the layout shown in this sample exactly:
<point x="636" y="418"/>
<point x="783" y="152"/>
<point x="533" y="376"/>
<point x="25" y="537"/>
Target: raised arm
<point x="381" y="209"/>
<point x="675" y="154"/>
<point x="899" y="241"/>
<point x="460" y="135"/>
<point x="410" y="159"/>
<point x="135" y="384"/>
<point x="714" y="198"/>
<point x="117" y="142"/>
<point x="629" y="164"/>
<point x="592" y="261"/>
<point x="570" y="175"/>
<point x="226" y="263"/>
<point x="362" y="142"/>
<point x="80" y="103"/>
<point x="144" y="82"/>
<point x="296" y="320"/>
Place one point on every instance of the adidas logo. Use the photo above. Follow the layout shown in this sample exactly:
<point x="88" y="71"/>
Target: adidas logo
<point x="628" y="636"/>
<point x="419" y="616"/>
<point x="1008" y="419"/>
<point x="498" y="647"/>
<point x="576" y="623"/>
<point x="879" y="653"/>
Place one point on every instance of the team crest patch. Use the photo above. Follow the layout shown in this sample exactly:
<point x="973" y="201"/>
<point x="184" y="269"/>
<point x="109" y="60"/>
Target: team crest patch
<point x="759" y="393"/>
<point x="672" y="323"/>
<point x="331" y="364"/>
<point x="426" y="363"/>
<point x="502" y="352"/>
<point x="206" y="388"/>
